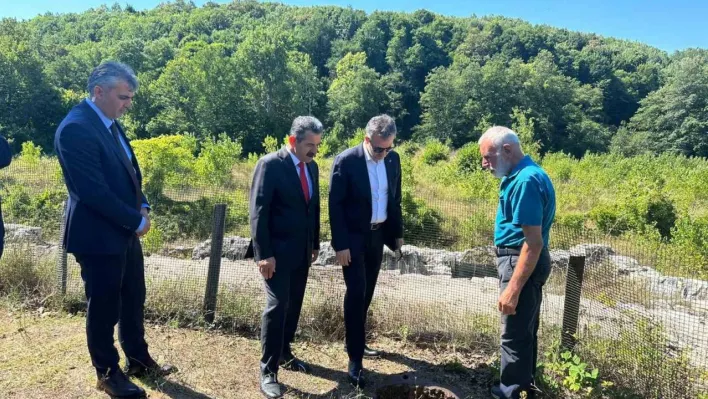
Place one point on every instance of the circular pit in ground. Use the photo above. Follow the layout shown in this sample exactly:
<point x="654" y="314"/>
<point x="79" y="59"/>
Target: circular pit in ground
<point x="408" y="386"/>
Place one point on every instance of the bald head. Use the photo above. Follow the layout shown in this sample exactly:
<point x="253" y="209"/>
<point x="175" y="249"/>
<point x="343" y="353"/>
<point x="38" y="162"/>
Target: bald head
<point x="501" y="150"/>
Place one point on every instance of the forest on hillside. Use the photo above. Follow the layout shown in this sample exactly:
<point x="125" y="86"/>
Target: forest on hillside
<point x="245" y="69"/>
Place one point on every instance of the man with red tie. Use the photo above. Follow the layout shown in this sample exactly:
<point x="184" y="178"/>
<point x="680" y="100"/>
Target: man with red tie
<point x="285" y="239"/>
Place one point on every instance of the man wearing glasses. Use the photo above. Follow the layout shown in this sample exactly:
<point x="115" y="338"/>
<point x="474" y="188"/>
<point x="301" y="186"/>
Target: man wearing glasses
<point x="365" y="215"/>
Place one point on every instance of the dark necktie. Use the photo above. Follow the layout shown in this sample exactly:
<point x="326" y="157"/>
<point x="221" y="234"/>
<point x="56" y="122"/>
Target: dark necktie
<point x="303" y="182"/>
<point x="124" y="157"/>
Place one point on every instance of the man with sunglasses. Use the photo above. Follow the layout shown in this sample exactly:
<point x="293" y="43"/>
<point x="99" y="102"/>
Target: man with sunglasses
<point x="365" y="215"/>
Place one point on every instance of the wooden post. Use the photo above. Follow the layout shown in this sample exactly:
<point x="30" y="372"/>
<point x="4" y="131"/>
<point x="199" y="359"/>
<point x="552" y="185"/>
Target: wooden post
<point x="61" y="266"/>
<point x="571" y="308"/>
<point x="217" y="244"/>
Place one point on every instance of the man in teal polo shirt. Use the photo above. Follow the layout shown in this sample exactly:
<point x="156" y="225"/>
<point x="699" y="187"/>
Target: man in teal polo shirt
<point x="527" y="204"/>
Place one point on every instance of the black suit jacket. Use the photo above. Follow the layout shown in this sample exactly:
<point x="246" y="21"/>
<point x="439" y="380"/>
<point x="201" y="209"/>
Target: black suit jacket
<point x="283" y="225"/>
<point x="350" y="200"/>
<point x="103" y="213"/>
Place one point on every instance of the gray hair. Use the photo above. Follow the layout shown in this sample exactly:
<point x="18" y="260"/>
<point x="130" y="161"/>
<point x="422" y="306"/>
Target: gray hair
<point x="303" y="124"/>
<point x="109" y="74"/>
<point x="383" y="126"/>
<point x="500" y="135"/>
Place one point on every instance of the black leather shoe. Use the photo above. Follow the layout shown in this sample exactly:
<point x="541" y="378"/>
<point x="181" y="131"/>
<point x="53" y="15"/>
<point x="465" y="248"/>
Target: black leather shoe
<point x="290" y="362"/>
<point x="149" y="369"/>
<point x="117" y="385"/>
<point x="355" y="376"/>
<point x="270" y="386"/>
<point x="368" y="352"/>
<point x="497" y="392"/>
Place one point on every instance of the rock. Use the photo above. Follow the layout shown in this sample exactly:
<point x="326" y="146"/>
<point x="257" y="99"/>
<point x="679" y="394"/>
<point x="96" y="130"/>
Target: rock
<point x="668" y="286"/>
<point x="560" y="258"/>
<point x="476" y="262"/>
<point x="441" y="270"/>
<point x="686" y="288"/>
<point x="695" y="289"/>
<point x="234" y="248"/>
<point x="202" y="251"/>
<point x="593" y="253"/>
<point x="327" y="255"/>
<point x="179" y="252"/>
<point x="411" y="261"/>
<point x="438" y="257"/>
<point x="20" y="234"/>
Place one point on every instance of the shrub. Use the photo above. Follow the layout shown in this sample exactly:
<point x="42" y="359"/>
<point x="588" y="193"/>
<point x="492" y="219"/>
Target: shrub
<point x="468" y="158"/>
<point x="163" y="160"/>
<point x="434" y="151"/>
<point x="421" y="224"/>
<point x="270" y="144"/>
<point x="216" y="159"/>
<point x="357" y="138"/>
<point x="31" y="153"/>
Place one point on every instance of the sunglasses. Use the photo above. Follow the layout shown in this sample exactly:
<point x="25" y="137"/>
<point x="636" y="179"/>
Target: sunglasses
<point x="379" y="150"/>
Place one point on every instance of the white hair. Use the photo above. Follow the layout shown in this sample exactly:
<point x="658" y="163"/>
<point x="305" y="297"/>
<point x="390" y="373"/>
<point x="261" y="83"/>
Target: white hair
<point x="500" y="135"/>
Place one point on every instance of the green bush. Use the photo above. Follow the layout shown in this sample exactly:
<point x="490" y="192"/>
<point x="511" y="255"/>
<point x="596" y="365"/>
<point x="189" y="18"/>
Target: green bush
<point x="468" y="158"/>
<point x="434" y="151"/>
<point x="216" y="159"/>
<point x="270" y="144"/>
<point x="31" y="153"/>
<point x="43" y="210"/>
<point x="164" y="160"/>
<point x="421" y="224"/>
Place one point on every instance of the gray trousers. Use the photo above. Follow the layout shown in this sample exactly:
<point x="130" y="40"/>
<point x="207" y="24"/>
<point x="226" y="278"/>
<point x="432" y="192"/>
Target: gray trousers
<point x="519" y="332"/>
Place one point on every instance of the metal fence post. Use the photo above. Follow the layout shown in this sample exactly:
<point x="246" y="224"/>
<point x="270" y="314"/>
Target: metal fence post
<point x="571" y="308"/>
<point x="61" y="266"/>
<point x="217" y="244"/>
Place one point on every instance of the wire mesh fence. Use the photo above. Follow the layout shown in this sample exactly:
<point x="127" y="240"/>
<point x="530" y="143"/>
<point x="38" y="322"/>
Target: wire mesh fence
<point x="609" y="297"/>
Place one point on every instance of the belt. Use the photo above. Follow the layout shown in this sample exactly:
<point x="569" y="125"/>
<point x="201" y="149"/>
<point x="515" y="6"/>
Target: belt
<point x="376" y="226"/>
<point x="506" y="251"/>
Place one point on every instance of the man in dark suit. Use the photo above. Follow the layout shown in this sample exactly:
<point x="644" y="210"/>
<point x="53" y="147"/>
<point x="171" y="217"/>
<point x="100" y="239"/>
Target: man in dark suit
<point x="5" y="159"/>
<point x="285" y="229"/>
<point x="365" y="215"/>
<point x="106" y="214"/>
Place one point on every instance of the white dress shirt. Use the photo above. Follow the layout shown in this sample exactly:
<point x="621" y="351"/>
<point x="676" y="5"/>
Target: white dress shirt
<point x="379" y="188"/>
<point x="307" y="174"/>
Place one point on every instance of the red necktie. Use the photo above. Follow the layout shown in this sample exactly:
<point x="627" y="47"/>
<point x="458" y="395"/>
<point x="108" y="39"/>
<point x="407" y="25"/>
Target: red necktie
<point x="303" y="182"/>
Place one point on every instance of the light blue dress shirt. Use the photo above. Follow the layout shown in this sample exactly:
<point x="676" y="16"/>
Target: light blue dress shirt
<point x="108" y="122"/>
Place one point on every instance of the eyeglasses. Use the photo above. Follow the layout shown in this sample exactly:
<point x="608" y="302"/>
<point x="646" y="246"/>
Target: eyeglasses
<point x="379" y="150"/>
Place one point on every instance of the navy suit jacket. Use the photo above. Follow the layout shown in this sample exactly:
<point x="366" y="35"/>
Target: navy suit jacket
<point x="103" y="212"/>
<point x="5" y="159"/>
<point x="283" y="225"/>
<point x="350" y="205"/>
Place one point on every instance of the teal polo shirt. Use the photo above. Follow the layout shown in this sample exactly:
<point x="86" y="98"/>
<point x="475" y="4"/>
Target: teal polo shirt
<point x="526" y="197"/>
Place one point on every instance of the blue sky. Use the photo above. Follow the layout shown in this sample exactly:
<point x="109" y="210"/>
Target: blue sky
<point x="669" y="24"/>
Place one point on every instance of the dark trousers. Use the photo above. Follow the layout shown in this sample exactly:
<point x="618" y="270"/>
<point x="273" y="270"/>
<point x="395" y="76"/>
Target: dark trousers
<point x="360" y="278"/>
<point x="284" y="294"/>
<point x="115" y="290"/>
<point x="519" y="336"/>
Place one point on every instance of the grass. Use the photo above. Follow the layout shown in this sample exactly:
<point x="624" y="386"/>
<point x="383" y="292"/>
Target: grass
<point x="44" y="356"/>
<point x="446" y="344"/>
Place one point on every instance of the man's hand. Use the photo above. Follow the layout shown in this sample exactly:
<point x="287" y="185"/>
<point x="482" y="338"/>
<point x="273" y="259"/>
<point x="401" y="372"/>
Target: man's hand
<point x="344" y="258"/>
<point x="267" y="267"/>
<point x="146" y="227"/>
<point x="315" y="253"/>
<point x="508" y="301"/>
<point x="399" y="243"/>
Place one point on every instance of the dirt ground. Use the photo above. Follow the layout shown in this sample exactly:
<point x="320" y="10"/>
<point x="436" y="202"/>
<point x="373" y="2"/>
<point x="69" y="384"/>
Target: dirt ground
<point x="45" y="356"/>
